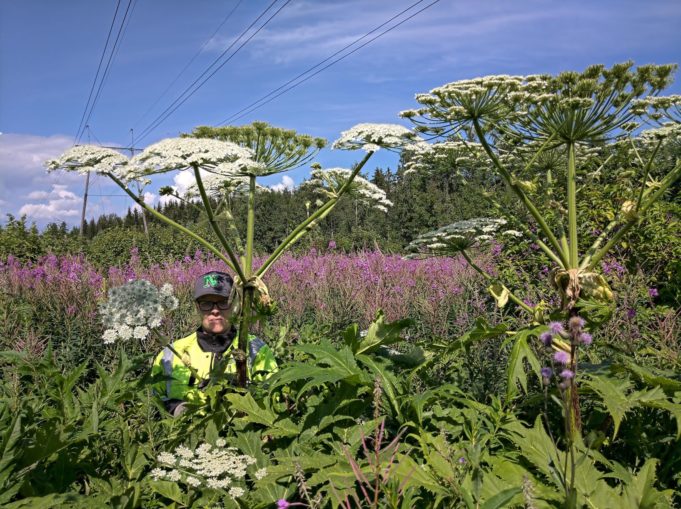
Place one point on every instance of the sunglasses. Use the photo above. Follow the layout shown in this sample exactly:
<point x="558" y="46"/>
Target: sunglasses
<point x="206" y="305"/>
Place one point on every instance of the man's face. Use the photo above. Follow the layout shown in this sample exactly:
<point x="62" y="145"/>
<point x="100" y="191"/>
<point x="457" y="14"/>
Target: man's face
<point x="215" y="320"/>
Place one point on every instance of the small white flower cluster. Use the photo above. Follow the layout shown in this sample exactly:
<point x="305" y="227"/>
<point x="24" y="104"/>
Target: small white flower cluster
<point x="87" y="158"/>
<point x="132" y="310"/>
<point x="215" y="467"/>
<point x="659" y="107"/>
<point x="218" y="186"/>
<point x="330" y="181"/>
<point x="372" y="137"/>
<point x="456" y="153"/>
<point x="182" y="153"/>
<point x="458" y="236"/>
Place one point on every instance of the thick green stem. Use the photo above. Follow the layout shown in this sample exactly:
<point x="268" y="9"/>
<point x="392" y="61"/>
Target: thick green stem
<point x="572" y="207"/>
<point x="523" y="197"/>
<point x="316" y="216"/>
<point x="213" y="223"/>
<point x="646" y="170"/>
<point x="170" y="222"/>
<point x="244" y="325"/>
<point x="250" y="226"/>
<point x="491" y="278"/>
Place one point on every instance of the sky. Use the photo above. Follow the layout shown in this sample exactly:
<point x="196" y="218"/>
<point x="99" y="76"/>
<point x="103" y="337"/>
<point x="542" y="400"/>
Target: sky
<point x="50" y="51"/>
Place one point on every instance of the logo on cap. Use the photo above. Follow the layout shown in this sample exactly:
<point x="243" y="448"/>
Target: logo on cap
<point x="210" y="280"/>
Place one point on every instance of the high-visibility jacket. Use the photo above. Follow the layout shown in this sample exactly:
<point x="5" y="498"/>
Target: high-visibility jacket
<point x="181" y="384"/>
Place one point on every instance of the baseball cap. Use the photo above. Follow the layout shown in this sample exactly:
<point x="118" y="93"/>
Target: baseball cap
<point x="213" y="283"/>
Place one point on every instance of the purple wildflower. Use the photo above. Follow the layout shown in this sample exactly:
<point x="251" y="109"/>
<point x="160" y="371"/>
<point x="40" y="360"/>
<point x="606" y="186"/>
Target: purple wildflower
<point x="556" y="327"/>
<point x="652" y="293"/>
<point x="561" y="357"/>
<point x="462" y="460"/>
<point x="546" y="372"/>
<point x="585" y="338"/>
<point x="332" y="244"/>
<point x="631" y="313"/>
<point x="546" y="338"/>
<point x="282" y="504"/>
<point x="567" y="374"/>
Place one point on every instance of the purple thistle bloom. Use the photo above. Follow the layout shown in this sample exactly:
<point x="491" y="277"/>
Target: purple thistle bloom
<point x="546" y="338"/>
<point x="631" y="313"/>
<point x="546" y="372"/>
<point x="652" y="292"/>
<point x="576" y="323"/>
<point x="585" y="338"/>
<point x="566" y="374"/>
<point x="561" y="357"/>
<point x="556" y="327"/>
<point x="462" y="460"/>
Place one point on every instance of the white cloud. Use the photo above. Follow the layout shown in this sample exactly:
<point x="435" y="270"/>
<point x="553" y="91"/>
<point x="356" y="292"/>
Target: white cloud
<point x="61" y="204"/>
<point x="286" y="184"/>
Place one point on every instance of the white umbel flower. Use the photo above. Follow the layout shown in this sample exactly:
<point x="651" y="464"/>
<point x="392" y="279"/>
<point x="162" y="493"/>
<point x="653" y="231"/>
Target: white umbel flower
<point x="89" y="158"/>
<point x="133" y="309"/>
<point x="183" y="153"/>
<point x="372" y="137"/>
<point x="456" y="237"/>
<point x="330" y="181"/>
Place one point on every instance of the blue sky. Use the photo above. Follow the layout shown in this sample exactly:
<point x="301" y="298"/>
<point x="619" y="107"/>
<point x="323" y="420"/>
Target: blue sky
<point x="49" y="53"/>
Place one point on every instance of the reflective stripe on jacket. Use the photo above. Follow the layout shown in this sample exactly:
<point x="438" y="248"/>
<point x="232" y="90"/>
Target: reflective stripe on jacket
<point x="181" y="384"/>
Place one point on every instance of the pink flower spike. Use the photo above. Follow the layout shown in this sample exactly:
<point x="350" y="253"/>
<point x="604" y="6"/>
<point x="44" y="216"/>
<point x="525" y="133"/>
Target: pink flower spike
<point x="561" y="357"/>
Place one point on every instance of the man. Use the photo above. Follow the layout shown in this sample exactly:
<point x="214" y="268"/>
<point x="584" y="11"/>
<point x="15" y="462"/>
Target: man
<point x="193" y="361"/>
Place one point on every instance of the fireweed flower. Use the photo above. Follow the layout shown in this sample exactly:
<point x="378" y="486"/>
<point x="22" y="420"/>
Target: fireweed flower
<point x="561" y="357"/>
<point x="132" y="310"/>
<point x="372" y="137"/>
<point x="330" y="181"/>
<point x="215" y="467"/>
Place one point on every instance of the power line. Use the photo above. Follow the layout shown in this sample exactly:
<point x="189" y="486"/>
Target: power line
<point x="188" y="64"/>
<point x="252" y="107"/>
<point x="175" y="105"/>
<point x="235" y="115"/>
<point x="108" y="65"/>
<point x="101" y="59"/>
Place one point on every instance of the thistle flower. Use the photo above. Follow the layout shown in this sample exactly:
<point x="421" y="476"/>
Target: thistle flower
<point x="132" y="310"/>
<point x="567" y="374"/>
<point x="556" y="328"/>
<point x="576" y="323"/>
<point x="561" y="357"/>
<point x="372" y="137"/>
<point x="546" y="338"/>
<point x="585" y="338"/>
<point x="546" y="373"/>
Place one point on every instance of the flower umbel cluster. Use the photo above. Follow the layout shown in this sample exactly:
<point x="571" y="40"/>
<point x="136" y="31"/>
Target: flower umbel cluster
<point x="215" y="467"/>
<point x="132" y="310"/>
<point x="181" y="153"/>
<point x="458" y="236"/>
<point x="87" y="158"/>
<point x="330" y="181"/>
<point x="372" y="137"/>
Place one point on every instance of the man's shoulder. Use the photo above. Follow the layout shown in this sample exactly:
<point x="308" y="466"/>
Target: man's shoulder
<point x="186" y="342"/>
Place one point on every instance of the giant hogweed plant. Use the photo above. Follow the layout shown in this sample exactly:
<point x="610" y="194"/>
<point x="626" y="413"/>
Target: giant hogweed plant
<point x="225" y="161"/>
<point x="545" y="138"/>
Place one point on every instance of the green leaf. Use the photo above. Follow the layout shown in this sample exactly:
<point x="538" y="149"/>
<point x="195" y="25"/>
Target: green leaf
<point x="254" y="412"/>
<point x="169" y="490"/>
<point x="388" y="382"/>
<point x="501" y="498"/>
<point x="521" y="352"/>
<point x="613" y="395"/>
<point x="381" y="334"/>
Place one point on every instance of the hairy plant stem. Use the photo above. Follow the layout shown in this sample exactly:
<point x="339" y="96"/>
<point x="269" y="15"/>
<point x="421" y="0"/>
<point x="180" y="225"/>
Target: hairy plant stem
<point x="491" y="278"/>
<point x="213" y="223"/>
<point x="170" y="222"/>
<point x="572" y="207"/>
<point x="318" y="214"/>
<point x="531" y="208"/>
